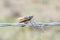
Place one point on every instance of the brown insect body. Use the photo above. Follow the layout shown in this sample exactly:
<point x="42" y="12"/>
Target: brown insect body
<point x="24" y="19"/>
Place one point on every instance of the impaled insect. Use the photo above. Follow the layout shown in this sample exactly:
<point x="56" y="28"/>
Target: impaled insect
<point x="24" y="19"/>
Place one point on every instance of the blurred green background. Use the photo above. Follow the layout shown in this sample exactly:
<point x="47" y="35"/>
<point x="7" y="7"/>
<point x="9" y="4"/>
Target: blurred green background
<point x="42" y="10"/>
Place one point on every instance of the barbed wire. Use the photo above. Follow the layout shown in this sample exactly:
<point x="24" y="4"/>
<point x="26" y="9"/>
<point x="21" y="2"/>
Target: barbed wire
<point x="33" y="24"/>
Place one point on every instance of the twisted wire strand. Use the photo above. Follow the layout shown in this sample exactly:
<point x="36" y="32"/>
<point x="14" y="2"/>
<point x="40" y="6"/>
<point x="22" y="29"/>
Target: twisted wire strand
<point x="29" y="24"/>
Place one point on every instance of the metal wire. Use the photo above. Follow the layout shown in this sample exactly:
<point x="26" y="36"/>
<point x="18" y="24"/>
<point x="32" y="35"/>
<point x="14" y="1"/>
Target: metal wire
<point x="29" y="24"/>
<point x="35" y="24"/>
